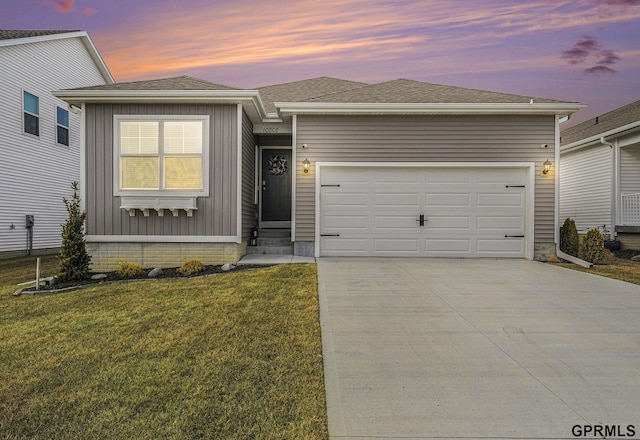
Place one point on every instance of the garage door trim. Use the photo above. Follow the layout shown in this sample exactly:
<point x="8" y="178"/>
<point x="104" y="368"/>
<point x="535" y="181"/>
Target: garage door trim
<point x="529" y="167"/>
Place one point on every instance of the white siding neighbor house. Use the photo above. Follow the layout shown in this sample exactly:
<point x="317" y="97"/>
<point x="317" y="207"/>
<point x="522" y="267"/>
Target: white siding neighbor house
<point x="180" y="168"/>
<point x="600" y="174"/>
<point x="39" y="133"/>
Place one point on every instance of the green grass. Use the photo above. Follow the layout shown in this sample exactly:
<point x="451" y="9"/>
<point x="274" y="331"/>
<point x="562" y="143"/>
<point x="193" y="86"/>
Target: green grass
<point x="235" y="355"/>
<point x="616" y="268"/>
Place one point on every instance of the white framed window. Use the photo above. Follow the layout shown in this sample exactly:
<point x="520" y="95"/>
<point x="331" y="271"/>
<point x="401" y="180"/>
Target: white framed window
<point x="161" y="155"/>
<point x="62" y="126"/>
<point x="31" y="113"/>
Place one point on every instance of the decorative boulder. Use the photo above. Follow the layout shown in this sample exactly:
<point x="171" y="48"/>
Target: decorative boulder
<point x="155" y="272"/>
<point x="227" y="267"/>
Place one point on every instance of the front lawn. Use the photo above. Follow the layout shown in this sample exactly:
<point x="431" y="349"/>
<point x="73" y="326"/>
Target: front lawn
<point x="618" y="268"/>
<point x="235" y="355"/>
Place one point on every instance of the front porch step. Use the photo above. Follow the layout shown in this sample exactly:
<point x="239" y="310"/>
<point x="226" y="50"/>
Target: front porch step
<point x="270" y="250"/>
<point x="272" y="242"/>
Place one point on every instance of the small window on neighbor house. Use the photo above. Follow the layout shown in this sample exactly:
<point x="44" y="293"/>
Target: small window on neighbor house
<point x="62" y="126"/>
<point x="162" y="153"/>
<point x="31" y="110"/>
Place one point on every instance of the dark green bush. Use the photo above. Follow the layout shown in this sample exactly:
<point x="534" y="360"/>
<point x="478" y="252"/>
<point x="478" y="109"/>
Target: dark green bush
<point x="74" y="259"/>
<point x="592" y="249"/>
<point x="191" y="267"/>
<point x="569" y="240"/>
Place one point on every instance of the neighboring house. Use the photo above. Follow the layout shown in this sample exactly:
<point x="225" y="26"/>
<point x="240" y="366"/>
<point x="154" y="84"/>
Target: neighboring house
<point x="40" y="134"/>
<point x="600" y="174"/>
<point x="180" y="168"/>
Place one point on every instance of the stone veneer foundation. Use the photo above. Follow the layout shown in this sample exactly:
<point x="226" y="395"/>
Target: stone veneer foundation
<point x="107" y="256"/>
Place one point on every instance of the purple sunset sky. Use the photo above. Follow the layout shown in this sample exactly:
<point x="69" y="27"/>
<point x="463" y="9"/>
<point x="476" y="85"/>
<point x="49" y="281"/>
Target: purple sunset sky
<point x="578" y="50"/>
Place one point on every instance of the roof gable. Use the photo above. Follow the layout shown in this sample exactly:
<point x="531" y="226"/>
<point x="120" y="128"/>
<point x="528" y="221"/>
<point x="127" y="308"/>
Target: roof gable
<point x="612" y="120"/>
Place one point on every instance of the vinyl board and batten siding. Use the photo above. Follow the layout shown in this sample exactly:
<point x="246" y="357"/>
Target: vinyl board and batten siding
<point x="387" y="139"/>
<point x="216" y="215"/>
<point x="585" y="187"/>
<point x="630" y="169"/>
<point x="249" y="208"/>
<point x="36" y="172"/>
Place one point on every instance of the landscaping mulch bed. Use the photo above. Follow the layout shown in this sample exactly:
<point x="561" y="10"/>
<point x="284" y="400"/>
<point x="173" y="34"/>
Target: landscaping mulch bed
<point x="113" y="276"/>
<point x="626" y="254"/>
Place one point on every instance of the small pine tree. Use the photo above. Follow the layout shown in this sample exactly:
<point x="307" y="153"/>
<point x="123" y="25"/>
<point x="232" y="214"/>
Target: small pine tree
<point x="592" y="249"/>
<point x="569" y="240"/>
<point x="74" y="259"/>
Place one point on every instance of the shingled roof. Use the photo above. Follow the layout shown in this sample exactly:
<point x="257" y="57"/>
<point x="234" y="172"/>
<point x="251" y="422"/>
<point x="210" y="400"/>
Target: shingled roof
<point x="603" y="123"/>
<point x="409" y="91"/>
<point x="176" y="83"/>
<point x="304" y="90"/>
<point x="13" y="34"/>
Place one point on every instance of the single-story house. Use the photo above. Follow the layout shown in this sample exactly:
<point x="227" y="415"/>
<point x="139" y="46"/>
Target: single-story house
<point x="600" y="174"/>
<point x="180" y="168"/>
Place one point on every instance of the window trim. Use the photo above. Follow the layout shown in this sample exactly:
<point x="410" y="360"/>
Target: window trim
<point x="67" y="127"/>
<point x="24" y="111"/>
<point x="204" y="192"/>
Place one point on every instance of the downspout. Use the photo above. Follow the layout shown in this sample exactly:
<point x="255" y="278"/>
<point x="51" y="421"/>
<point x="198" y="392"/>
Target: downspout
<point x="614" y="187"/>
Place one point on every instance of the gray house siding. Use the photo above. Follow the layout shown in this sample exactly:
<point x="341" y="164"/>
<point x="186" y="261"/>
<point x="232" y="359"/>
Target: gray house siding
<point x="216" y="215"/>
<point x="426" y="139"/>
<point x="249" y="207"/>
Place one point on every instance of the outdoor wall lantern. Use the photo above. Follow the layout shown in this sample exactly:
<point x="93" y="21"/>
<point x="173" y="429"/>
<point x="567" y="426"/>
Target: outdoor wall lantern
<point x="306" y="165"/>
<point x="546" y="166"/>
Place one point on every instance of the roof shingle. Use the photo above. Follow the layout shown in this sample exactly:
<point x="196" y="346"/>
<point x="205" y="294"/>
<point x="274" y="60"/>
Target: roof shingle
<point x="14" y="34"/>
<point x="176" y="83"/>
<point x="617" y="118"/>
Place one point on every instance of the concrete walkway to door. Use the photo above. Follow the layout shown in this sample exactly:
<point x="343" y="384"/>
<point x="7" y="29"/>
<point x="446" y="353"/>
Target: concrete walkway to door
<point x="433" y="348"/>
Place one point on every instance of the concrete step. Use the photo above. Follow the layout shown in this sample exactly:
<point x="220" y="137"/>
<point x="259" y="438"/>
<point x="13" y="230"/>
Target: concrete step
<point x="276" y="241"/>
<point x="274" y="233"/>
<point x="270" y="250"/>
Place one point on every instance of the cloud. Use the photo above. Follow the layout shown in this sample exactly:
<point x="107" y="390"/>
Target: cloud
<point x="64" y="5"/>
<point x="616" y="2"/>
<point x="588" y="49"/>
<point x="597" y="70"/>
<point x="89" y="11"/>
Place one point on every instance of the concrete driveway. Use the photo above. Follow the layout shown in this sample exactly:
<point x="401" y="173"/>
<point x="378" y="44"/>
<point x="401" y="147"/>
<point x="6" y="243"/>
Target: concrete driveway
<point x="433" y="348"/>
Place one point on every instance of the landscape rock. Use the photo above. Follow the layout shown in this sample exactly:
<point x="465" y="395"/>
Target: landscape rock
<point x="636" y="258"/>
<point x="156" y="272"/>
<point x="99" y="276"/>
<point x="227" y="267"/>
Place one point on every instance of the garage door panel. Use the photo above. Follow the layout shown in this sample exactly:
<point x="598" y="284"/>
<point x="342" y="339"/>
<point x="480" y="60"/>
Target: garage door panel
<point x="396" y="199"/>
<point x="448" y="245"/>
<point x="504" y="223"/>
<point x="493" y="200"/>
<point x="345" y="222"/>
<point x="345" y="199"/>
<point x="396" y="176"/>
<point x="448" y="223"/>
<point x="393" y="223"/>
<point x="435" y="200"/>
<point x="501" y="246"/>
<point x="395" y="245"/>
<point x="467" y="212"/>
<point x="352" y="246"/>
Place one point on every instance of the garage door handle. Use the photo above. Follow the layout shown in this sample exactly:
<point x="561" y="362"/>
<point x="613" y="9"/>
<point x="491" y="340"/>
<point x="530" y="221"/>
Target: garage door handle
<point x="329" y="235"/>
<point x="514" y="236"/>
<point x="421" y="220"/>
<point x="514" y="186"/>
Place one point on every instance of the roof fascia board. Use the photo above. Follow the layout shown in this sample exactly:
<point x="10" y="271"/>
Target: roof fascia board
<point x="86" y="41"/>
<point x="595" y="139"/>
<point x="428" y="108"/>
<point x="234" y="96"/>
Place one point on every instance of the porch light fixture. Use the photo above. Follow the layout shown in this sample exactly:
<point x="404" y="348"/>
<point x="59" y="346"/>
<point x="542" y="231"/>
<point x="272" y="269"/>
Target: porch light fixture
<point x="306" y="165"/>
<point x="546" y="166"/>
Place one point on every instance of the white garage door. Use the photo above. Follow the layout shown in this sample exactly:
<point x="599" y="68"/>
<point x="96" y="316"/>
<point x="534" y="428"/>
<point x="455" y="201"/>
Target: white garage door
<point x="467" y="212"/>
